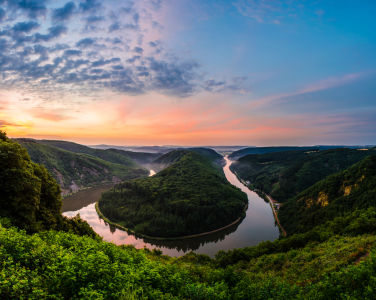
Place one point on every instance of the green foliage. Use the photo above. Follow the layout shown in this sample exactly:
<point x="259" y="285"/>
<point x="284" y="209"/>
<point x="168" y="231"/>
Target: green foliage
<point x="191" y="196"/>
<point x="73" y="170"/>
<point x="126" y="158"/>
<point x="57" y="265"/>
<point x="30" y="198"/>
<point x="322" y="262"/>
<point x="263" y="150"/>
<point x="174" y="156"/>
<point x="354" y="188"/>
<point x="285" y="174"/>
<point x="352" y="224"/>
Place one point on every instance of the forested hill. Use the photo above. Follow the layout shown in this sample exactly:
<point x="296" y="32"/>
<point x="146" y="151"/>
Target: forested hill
<point x="167" y="160"/>
<point x="111" y="155"/>
<point x="262" y="150"/>
<point x="73" y="171"/>
<point x="44" y="255"/>
<point x="285" y="174"/>
<point x="174" y="156"/>
<point x="211" y="154"/>
<point x="336" y="195"/>
<point x="190" y="196"/>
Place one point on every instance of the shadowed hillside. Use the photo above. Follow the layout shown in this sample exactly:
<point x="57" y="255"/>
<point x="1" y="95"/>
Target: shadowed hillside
<point x="336" y="195"/>
<point x="285" y="174"/>
<point x="74" y="171"/>
<point x="117" y="156"/>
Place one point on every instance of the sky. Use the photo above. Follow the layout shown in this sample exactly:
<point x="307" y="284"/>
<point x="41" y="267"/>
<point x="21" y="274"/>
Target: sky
<point x="189" y="72"/>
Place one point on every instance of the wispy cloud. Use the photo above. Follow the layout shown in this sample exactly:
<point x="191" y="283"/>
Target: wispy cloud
<point x="311" y="88"/>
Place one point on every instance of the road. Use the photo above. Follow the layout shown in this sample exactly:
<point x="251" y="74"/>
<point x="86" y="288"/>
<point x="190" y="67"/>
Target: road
<point x="271" y="200"/>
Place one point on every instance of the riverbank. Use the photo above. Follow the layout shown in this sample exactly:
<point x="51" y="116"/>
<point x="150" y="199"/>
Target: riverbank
<point x="164" y="238"/>
<point x="272" y="201"/>
<point x="258" y="225"/>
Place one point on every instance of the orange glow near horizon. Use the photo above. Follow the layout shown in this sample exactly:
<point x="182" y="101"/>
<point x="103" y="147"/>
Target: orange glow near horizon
<point x="153" y="120"/>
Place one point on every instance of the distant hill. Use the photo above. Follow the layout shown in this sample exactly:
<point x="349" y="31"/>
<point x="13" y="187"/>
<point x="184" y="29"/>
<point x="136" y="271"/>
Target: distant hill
<point x="261" y="150"/>
<point x="174" y="156"/>
<point x="190" y="196"/>
<point x="73" y="171"/>
<point x="167" y="160"/>
<point x="146" y="149"/>
<point x="117" y="156"/>
<point x="285" y="174"/>
<point x="336" y="195"/>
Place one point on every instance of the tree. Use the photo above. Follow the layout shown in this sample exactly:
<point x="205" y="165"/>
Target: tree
<point x="29" y="197"/>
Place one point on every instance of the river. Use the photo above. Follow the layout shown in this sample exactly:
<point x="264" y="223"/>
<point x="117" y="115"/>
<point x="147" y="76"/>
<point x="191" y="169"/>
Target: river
<point x="257" y="226"/>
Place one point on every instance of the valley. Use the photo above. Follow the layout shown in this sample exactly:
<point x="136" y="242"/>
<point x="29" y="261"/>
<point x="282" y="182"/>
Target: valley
<point x="330" y="225"/>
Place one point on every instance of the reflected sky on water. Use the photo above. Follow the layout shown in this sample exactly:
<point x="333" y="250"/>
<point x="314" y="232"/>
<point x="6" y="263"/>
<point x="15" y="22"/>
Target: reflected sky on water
<point x="257" y="226"/>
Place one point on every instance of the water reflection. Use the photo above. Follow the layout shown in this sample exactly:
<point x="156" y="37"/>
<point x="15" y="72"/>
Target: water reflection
<point x="257" y="226"/>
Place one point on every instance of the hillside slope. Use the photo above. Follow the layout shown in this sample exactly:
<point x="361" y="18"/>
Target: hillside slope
<point x="262" y="150"/>
<point x="174" y="156"/>
<point x="126" y="158"/>
<point x="334" y="260"/>
<point x="285" y="174"/>
<point x="336" y="195"/>
<point x="190" y="196"/>
<point x="73" y="171"/>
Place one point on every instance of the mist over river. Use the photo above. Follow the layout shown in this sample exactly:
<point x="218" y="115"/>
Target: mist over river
<point x="257" y="226"/>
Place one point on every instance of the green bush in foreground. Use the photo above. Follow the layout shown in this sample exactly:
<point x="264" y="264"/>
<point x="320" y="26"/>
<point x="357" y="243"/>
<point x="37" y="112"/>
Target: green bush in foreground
<point x="60" y="265"/>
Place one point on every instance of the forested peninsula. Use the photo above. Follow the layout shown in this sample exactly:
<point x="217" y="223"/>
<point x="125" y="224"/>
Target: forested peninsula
<point x="191" y="196"/>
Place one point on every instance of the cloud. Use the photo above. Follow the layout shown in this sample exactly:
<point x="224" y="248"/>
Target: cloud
<point x="133" y="59"/>
<point x="48" y="62"/>
<point x="69" y="53"/>
<point x="33" y="8"/>
<point x="4" y="123"/>
<point x="103" y="62"/>
<point x="24" y="27"/>
<point x="138" y="50"/>
<point x="154" y="5"/>
<point x="237" y="85"/>
<point x="51" y="116"/>
<point x="173" y="78"/>
<point x="114" y="26"/>
<point x="64" y="13"/>
<point x="140" y="39"/>
<point x="2" y="14"/>
<point x="53" y="32"/>
<point x="311" y="88"/>
<point x="94" y="19"/>
<point x="136" y="17"/>
<point x="211" y="83"/>
<point x="90" y="5"/>
<point x="85" y="42"/>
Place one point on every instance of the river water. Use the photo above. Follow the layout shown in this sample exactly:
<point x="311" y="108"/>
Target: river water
<point x="257" y="226"/>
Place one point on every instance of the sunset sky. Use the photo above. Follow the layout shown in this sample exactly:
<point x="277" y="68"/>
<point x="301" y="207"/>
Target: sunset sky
<point x="189" y="72"/>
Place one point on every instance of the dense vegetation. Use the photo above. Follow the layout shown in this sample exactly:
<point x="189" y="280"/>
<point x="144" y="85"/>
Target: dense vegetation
<point x="74" y="171"/>
<point x="262" y="150"/>
<point x="127" y="158"/>
<point x="285" y="174"/>
<point x="169" y="158"/>
<point x="191" y="196"/>
<point x="322" y="262"/>
<point x="354" y="188"/>
<point x="316" y="265"/>
<point x="30" y="198"/>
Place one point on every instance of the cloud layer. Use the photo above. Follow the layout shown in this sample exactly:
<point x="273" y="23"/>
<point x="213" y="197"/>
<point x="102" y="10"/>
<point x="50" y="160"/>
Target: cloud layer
<point x="92" y="45"/>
